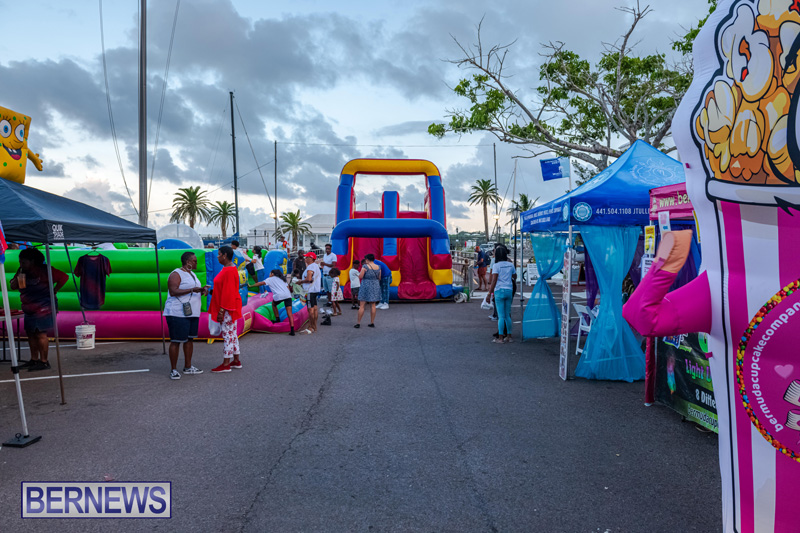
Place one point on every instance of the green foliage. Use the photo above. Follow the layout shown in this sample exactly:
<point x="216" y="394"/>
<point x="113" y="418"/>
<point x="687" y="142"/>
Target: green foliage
<point x="685" y="44"/>
<point x="190" y="203"/>
<point x="292" y="223"/>
<point x="222" y="213"/>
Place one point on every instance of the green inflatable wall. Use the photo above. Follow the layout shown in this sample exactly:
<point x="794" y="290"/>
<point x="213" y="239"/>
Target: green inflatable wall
<point x="132" y="285"/>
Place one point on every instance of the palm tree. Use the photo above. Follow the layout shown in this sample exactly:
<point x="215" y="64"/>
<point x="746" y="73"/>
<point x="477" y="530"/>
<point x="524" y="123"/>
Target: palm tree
<point x="520" y="206"/>
<point x="190" y="203"/>
<point x="484" y="192"/>
<point x="292" y="223"/>
<point x="222" y="213"/>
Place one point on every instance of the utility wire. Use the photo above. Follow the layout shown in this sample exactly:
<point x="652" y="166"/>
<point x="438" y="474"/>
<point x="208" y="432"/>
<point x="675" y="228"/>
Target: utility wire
<point x="272" y="206"/>
<point x="161" y="107"/>
<point x="110" y="113"/>
<point x="391" y="145"/>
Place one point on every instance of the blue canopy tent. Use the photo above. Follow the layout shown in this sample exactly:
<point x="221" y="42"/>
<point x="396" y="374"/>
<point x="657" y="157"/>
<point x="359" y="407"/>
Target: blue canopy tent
<point x="610" y="209"/>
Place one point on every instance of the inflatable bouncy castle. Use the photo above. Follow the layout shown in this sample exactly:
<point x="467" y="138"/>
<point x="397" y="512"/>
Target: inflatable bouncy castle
<point x="128" y="305"/>
<point x="413" y="244"/>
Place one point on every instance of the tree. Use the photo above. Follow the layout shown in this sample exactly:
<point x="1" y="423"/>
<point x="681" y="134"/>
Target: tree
<point x="222" y="213"/>
<point x="587" y="113"/>
<point x="190" y="203"/>
<point x="484" y="192"/>
<point x="520" y="206"/>
<point x="686" y="43"/>
<point x="292" y="223"/>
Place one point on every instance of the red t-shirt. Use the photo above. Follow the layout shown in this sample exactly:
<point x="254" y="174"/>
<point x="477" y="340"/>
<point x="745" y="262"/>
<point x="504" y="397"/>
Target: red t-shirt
<point x="225" y="294"/>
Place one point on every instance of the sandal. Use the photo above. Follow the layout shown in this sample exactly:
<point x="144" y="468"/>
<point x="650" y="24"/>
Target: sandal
<point x="357" y="326"/>
<point x="498" y="340"/>
<point x="508" y="339"/>
<point x="372" y="325"/>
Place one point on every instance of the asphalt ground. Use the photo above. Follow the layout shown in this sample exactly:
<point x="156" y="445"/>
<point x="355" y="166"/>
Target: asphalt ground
<point x="420" y="424"/>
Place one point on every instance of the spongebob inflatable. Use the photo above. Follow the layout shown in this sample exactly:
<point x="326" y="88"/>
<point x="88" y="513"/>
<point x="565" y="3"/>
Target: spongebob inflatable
<point x="14" y="152"/>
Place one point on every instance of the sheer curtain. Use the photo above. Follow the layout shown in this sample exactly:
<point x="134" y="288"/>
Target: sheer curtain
<point x="612" y="351"/>
<point x="542" y="318"/>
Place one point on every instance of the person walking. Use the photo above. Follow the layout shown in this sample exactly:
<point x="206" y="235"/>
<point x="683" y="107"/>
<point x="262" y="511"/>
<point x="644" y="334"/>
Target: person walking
<point x="502" y="287"/>
<point x="370" y="290"/>
<point x="226" y="309"/>
<point x="355" y="283"/>
<point x="328" y="262"/>
<point x="182" y="311"/>
<point x="313" y="284"/>
<point x="276" y="282"/>
<point x="385" y="283"/>
<point x="34" y="293"/>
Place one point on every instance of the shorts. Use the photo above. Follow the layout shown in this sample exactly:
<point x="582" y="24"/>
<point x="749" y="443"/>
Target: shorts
<point x="327" y="283"/>
<point x="311" y="299"/>
<point x="482" y="271"/>
<point x="182" y="328"/>
<point x="38" y="323"/>
<point x="354" y="292"/>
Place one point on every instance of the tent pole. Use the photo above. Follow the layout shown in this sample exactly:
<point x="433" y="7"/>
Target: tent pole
<point x="55" y="321"/>
<point x="75" y="283"/>
<point x="160" y="306"/>
<point x="25" y="438"/>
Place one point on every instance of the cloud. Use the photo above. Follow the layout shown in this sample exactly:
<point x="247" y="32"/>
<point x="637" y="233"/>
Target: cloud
<point x="405" y="128"/>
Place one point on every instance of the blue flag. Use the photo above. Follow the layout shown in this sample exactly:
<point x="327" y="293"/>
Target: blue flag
<point x="555" y="168"/>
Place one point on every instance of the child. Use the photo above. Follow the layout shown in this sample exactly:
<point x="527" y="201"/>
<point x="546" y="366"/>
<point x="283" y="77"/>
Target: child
<point x="298" y="291"/>
<point x="280" y="294"/>
<point x="355" y="283"/>
<point x="336" y="291"/>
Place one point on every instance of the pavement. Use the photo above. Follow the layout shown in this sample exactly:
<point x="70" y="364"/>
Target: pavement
<point x="420" y="424"/>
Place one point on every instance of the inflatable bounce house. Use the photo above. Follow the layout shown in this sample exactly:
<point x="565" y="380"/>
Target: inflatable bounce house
<point x="129" y="307"/>
<point x="413" y="244"/>
<point x="737" y="134"/>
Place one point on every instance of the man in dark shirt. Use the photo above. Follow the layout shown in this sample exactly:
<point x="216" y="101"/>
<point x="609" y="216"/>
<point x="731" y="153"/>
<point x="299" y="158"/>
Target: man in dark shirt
<point x="34" y="293"/>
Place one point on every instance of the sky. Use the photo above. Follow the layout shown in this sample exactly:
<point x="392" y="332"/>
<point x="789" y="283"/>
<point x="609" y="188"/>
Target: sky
<point x="330" y="82"/>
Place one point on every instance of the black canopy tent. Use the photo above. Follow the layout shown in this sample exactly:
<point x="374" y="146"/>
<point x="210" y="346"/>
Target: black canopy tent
<point x="29" y="214"/>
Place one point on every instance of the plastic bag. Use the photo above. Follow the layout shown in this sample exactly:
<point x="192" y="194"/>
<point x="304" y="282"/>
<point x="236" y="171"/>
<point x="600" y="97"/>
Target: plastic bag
<point x="485" y="304"/>
<point x="214" y="328"/>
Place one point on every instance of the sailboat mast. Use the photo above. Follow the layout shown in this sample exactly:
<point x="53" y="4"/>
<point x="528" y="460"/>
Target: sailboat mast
<point x="235" y="179"/>
<point x="143" y="113"/>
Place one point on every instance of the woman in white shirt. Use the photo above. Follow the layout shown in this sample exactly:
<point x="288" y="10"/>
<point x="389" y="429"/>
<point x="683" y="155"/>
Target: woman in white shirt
<point x="503" y="289"/>
<point x="276" y="282"/>
<point x="182" y="311"/>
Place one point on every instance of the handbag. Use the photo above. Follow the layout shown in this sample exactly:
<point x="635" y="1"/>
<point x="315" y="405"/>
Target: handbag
<point x="214" y="328"/>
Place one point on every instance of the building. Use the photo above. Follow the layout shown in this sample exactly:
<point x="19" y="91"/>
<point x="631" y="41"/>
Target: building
<point x="321" y="228"/>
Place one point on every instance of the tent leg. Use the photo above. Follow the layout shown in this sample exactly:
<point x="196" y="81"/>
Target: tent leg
<point x="55" y="322"/>
<point x="75" y="283"/>
<point x="160" y="306"/>
<point x="21" y="439"/>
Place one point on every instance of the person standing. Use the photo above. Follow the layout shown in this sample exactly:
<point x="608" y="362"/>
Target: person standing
<point x="370" y="290"/>
<point x="502" y="287"/>
<point x="300" y="262"/>
<point x="355" y="283"/>
<point x="385" y="283"/>
<point x="336" y="291"/>
<point x="313" y="284"/>
<point x="226" y="309"/>
<point x="328" y="262"/>
<point x="182" y="311"/>
<point x="34" y="293"/>
<point x="480" y="263"/>
<point x="240" y="260"/>
<point x="276" y="282"/>
<point x="258" y="264"/>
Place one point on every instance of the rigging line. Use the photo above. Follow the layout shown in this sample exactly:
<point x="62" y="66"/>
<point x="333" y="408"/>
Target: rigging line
<point x="272" y="206"/>
<point x="161" y="107"/>
<point x="391" y="145"/>
<point x="213" y="162"/>
<point x="110" y="113"/>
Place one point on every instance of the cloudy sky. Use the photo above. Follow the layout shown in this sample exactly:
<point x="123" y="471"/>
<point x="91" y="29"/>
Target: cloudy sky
<point x="363" y="79"/>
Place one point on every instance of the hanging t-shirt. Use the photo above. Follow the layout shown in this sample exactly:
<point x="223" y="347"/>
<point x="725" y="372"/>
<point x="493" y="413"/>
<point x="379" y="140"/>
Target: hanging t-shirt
<point x="93" y="269"/>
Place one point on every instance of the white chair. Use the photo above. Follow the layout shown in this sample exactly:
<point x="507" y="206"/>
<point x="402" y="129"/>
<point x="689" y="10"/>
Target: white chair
<point x="586" y="316"/>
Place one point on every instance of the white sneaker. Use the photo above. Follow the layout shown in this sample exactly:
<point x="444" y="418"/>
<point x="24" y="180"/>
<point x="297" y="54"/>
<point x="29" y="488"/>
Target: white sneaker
<point x="382" y="306"/>
<point x="174" y="374"/>
<point x="192" y="370"/>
